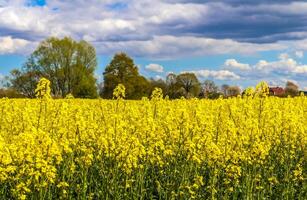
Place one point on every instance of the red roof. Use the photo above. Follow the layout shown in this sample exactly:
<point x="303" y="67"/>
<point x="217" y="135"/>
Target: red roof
<point x="277" y="90"/>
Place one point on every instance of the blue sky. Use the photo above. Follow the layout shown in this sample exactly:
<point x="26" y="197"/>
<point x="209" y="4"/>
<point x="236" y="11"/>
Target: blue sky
<point x="239" y="42"/>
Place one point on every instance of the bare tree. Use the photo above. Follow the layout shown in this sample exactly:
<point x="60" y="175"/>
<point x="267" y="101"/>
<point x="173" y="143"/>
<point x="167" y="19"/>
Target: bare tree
<point x="291" y="89"/>
<point x="209" y="89"/>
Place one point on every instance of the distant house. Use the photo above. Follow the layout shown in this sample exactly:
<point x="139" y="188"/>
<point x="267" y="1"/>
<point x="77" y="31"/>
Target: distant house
<point x="276" y="91"/>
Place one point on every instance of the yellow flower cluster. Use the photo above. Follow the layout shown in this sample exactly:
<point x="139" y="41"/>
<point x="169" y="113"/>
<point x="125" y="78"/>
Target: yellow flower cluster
<point x="43" y="89"/>
<point x="249" y="147"/>
<point x="119" y="92"/>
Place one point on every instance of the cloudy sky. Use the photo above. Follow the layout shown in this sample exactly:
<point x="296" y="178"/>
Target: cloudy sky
<point x="233" y="41"/>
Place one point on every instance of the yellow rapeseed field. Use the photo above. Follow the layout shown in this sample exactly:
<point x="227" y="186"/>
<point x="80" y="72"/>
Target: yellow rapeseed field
<point x="250" y="147"/>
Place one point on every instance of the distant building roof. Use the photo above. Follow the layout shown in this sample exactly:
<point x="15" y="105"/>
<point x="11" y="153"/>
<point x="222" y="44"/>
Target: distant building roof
<point x="276" y="90"/>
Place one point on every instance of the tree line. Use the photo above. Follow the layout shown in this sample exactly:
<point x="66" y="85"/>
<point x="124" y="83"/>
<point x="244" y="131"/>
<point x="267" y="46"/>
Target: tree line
<point x="70" y="66"/>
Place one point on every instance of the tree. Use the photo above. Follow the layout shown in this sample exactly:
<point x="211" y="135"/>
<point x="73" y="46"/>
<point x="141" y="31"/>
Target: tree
<point x="4" y="81"/>
<point x="224" y="89"/>
<point x="158" y="84"/>
<point x="188" y="84"/>
<point x="233" y="91"/>
<point x="291" y="89"/>
<point x="122" y="70"/>
<point x="210" y="90"/>
<point x="25" y="82"/>
<point x="68" y="64"/>
<point x="10" y="93"/>
<point x="171" y="87"/>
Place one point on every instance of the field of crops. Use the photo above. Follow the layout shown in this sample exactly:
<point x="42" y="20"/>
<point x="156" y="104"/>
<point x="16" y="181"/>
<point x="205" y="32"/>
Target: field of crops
<point x="237" y="148"/>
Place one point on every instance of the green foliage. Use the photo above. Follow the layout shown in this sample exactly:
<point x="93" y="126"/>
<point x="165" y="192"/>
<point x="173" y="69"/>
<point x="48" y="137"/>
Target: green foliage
<point x="188" y="85"/>
<point x="68" y="64"/>
<point x="10" y="93"/>
<point x="25" y="82"/>
<point x="122" y="70"/>
<point x="183" y="85"/>
<point x="158" y="84"/>
<point x="172" y="86"/>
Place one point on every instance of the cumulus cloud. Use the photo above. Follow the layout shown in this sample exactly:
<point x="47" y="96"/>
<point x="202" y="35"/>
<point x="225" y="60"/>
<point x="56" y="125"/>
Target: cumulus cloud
<point x="160" y="29"/>
<point x="283" y="66"/>
<point x="275" y="72"/>
<point x="9" y="45"/>
<point x="169" y="29"/>
<point x="155" y="68"/>
<point x="169" y="46"/>
<point x="285" y="80"/>
<point x="283" y="56"/>
<point x="299" y="54"/>
<point x="234" y="64"/>
<point x="217" y="74"/>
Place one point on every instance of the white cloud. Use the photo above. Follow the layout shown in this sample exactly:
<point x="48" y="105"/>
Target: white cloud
<point x="164" y="13"/>
<point x="301" y="69"/>
<point x="299" y="54"/>
<point x="283" y="56"/>
<point x="234" y="64"/>
<point x="217" y="74"/>
<point x="9" y="45"/>
<point x="29" y="21"/>
<point x="298" y="44"/>
<point x="285" y="80"/>
<point x="142" y="28"/>
<point x="282" y="66"/>
<point x="276" y="72"/>
<point x="158" y="77"/>
<point x="296" y="8"/>
<point x="167" y="46"/>
<point x="155" y="68"/>
<point x="261" y="65"/>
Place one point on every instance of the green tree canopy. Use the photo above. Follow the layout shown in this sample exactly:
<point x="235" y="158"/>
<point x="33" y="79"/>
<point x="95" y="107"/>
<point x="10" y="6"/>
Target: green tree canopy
<point x="171" y="89"/>
<point x="188" y="84"/>
<point x="25" y="82"/>
<point x="68" y="64"/>
<point x="122" y="70"/>
<point x="160" y="83"/>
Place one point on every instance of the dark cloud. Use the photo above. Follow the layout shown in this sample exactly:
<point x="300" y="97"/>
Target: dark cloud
<point x="125" y="23"/>
<point x="236" y="2"/>
<point x="250" y="21"/>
